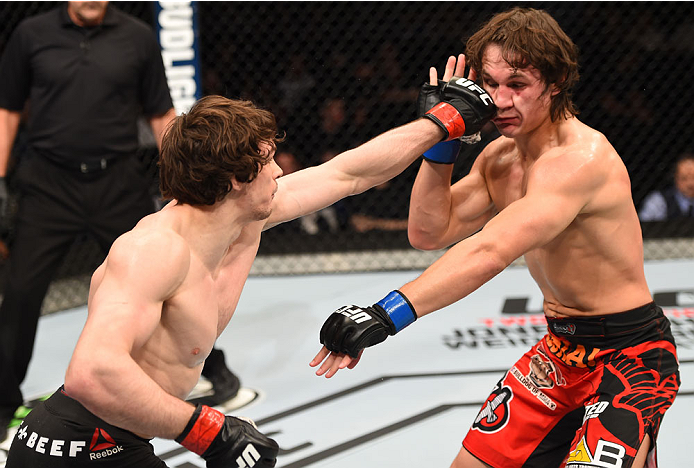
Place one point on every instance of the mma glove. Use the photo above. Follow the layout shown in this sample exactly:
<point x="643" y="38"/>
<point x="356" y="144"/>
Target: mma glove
<point x="350" y="329"/>
<point x="463" y="110"/>
<point x="226" y="441"/>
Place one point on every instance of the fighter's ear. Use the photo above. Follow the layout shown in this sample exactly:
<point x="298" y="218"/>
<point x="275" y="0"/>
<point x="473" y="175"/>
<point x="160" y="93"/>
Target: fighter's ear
<point x="555" y="88"/>
<point x="236" y="185"/>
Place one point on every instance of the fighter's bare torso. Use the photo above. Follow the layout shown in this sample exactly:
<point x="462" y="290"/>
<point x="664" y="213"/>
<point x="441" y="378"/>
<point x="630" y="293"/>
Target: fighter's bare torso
<point x="595" y="266"/>
<point x="199" y="308"/>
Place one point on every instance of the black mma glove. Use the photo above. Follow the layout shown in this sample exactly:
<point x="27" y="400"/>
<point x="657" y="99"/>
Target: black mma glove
<point x="464" y="109"/>
<point x="350" y="328"/>
<point x="445" y="152"/>
<point x="226" y="441"/>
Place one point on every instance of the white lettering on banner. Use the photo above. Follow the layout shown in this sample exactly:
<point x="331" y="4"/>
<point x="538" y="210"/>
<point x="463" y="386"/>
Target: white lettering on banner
<point x="177" y="39"/>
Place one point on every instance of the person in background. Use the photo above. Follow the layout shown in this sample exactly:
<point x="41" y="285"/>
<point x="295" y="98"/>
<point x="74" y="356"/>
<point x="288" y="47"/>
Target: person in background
<point x="676" y="201"/>
<point x="86" y="71"/>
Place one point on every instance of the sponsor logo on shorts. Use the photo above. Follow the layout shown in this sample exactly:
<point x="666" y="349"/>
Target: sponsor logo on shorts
<point x="594" y="410"/>
<point x="571" y="354"/>
<point x="542" y="369"/>
<point x="564" y="328"/>
<point x="607" y="455"/>
<point x="528" y="384"/>
<point x="102" y="444"/>
<point x="495" y="412"/>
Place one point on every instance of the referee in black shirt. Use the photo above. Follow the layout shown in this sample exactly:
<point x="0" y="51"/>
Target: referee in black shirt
<point x="87" y="72"/>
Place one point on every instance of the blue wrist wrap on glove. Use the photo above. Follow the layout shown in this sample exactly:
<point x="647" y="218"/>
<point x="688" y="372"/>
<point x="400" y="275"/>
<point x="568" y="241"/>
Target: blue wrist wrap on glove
<point x="398" y="309"/>
<point x="445" y="152"/>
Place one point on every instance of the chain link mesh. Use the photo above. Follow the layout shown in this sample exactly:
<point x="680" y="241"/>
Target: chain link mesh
<point x="338" y="73"/>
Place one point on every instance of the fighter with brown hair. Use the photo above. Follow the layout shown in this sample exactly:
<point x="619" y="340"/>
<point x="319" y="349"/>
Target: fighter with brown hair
<point x="555" y="191"/>
<point x="168" y="288"/>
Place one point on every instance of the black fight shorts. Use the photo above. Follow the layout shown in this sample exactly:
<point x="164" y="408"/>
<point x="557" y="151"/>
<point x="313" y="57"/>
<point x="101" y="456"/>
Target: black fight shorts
<point x="61" y="433"/>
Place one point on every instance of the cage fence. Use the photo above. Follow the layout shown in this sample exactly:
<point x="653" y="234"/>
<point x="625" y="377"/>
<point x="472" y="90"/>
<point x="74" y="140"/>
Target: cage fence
<point x="339" y="73"/>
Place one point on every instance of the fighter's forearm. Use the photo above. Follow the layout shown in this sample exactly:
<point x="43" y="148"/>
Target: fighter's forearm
<point x="118" y="391"/>
<point x="387" y="155"/>
<point x="9" y="123"/>
<point x="460" y="271"/>
<point x="430" y="206"/>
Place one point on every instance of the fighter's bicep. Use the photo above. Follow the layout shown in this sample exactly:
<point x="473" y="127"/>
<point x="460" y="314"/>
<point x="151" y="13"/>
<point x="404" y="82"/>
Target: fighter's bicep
<point x="471" y="204"/>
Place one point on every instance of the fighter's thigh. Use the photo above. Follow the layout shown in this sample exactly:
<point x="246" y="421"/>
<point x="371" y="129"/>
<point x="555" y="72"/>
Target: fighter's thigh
<point x="465" y="459"/>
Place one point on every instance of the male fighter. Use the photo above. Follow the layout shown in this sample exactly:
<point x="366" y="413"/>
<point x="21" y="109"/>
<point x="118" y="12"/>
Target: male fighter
<point x="169" y="286"/>
<point x="554" y="190"/>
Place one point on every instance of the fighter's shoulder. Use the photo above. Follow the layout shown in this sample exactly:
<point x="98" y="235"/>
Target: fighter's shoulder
<point x="588" y="150"/>
<point x="587" y="158"/>
<point x="146" y="246"/>
<point x="496" y="153"/>
<point x="498" y="147"/>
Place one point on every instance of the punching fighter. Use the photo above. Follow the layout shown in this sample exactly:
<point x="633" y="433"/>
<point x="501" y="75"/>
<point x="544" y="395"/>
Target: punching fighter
<point x="168" y="287"/>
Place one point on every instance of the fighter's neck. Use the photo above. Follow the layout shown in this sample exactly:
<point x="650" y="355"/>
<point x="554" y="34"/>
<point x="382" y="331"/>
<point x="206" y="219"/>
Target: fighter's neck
<point x="211" y="230"/>
<point x="548" y="135"/>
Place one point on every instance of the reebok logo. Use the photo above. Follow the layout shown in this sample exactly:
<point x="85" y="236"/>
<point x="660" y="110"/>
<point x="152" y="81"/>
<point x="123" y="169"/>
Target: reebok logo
<point x="102" y="445"/>
<point x="355" y="313"/>
<point x="248" y="458"/>
<point x="101" y="440"/>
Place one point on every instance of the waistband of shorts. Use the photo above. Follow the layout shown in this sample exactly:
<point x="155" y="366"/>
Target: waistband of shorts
<point x="60" y="403"/>
<point x="605" y="326"/>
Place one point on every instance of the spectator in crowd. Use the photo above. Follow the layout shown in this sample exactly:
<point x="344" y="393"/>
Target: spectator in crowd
<point x="676" y="201"/>
<point x="87" y="70"/>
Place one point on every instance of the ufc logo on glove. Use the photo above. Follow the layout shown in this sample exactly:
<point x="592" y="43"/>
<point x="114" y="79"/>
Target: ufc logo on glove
<point x="472" y="86"/>
<point x="355" y="313"/>
<point x="248" y="458"/>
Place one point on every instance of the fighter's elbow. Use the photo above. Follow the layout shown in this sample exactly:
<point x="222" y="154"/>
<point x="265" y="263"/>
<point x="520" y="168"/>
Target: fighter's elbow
<point x="78" y="383"/>
<point x="82" y="381"/>
<point x="420" y="240"/>
<point x="492" y="258"/>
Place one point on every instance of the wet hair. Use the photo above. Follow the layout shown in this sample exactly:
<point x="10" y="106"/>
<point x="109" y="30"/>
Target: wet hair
<point x="216" y="141"/>
<point x="532" y="37"/>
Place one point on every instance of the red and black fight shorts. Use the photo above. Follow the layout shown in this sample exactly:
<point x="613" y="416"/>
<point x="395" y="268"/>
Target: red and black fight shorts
<point x="586" y="395"/>
<point x="61" y="433"/>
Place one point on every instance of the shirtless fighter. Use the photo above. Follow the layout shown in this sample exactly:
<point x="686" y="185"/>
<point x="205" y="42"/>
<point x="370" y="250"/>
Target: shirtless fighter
<point x="554" y="190"/>
<point x="169" y="287"/>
